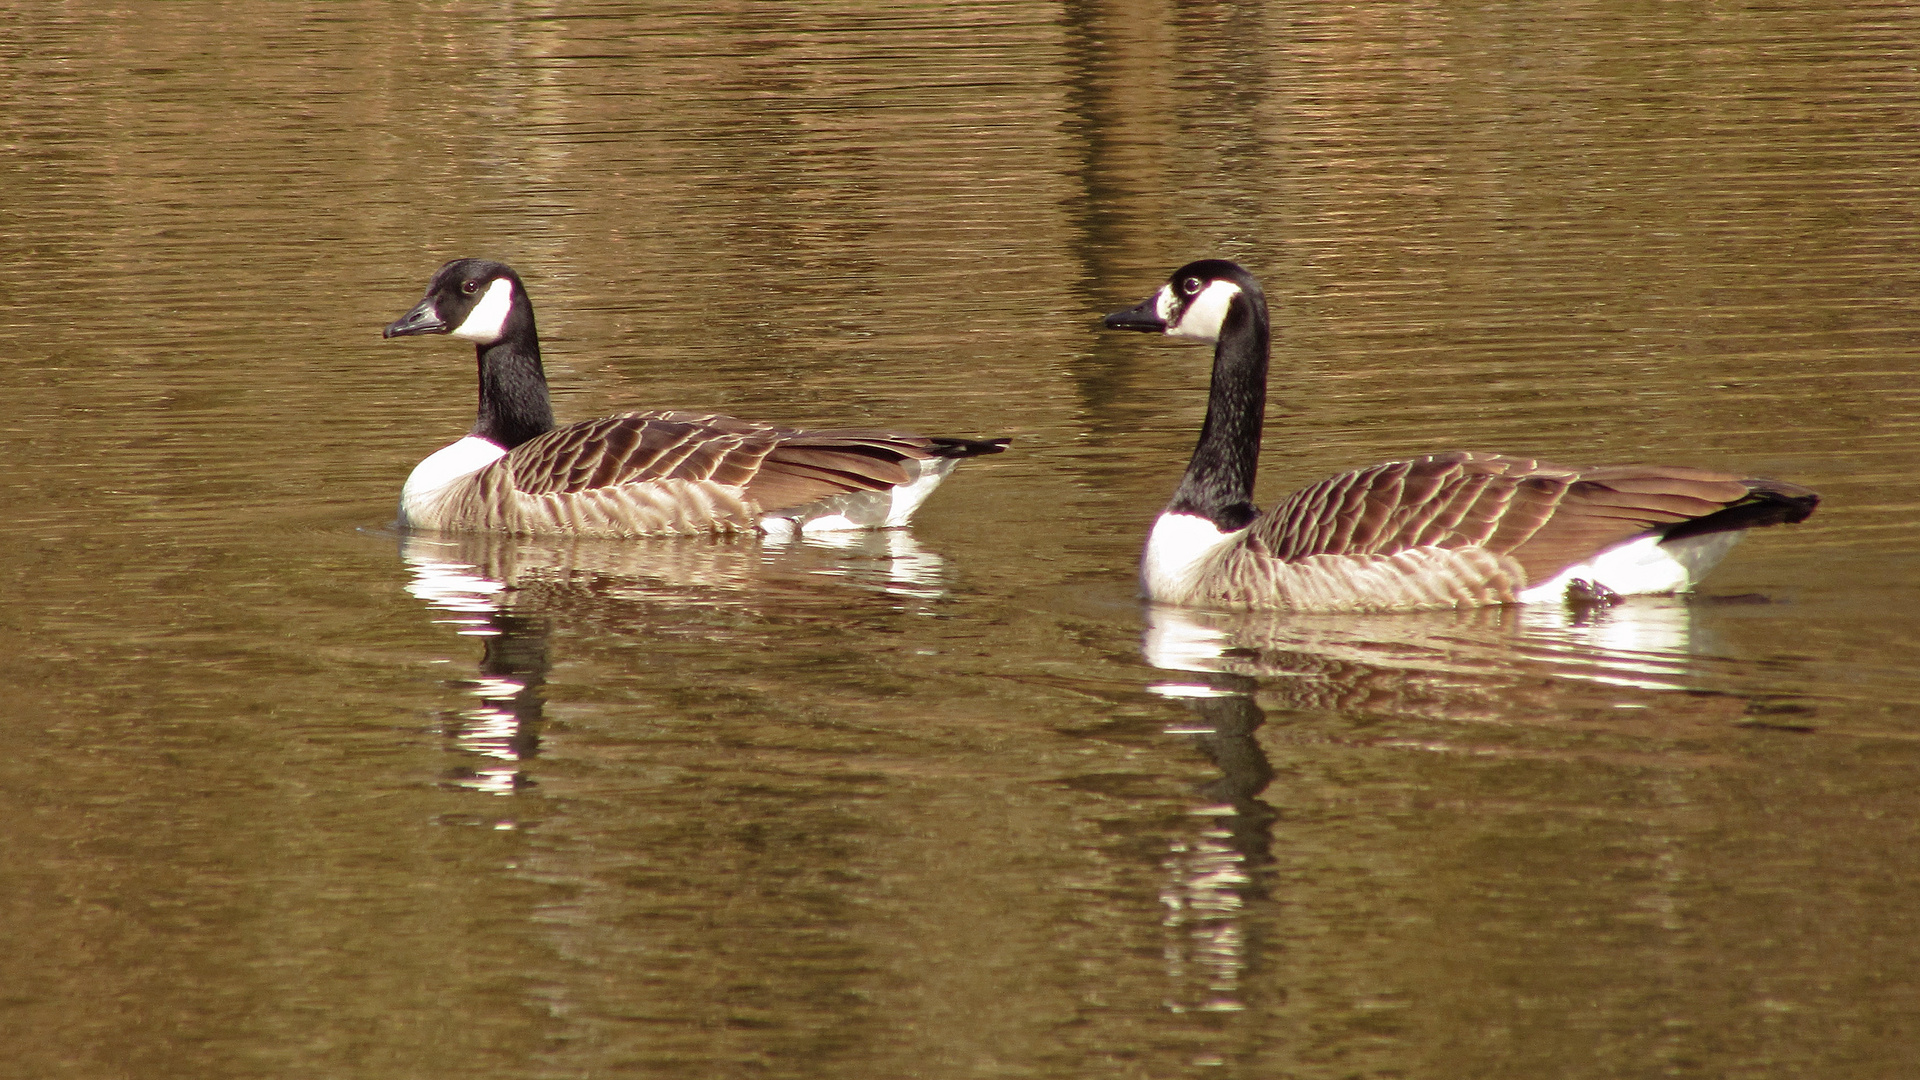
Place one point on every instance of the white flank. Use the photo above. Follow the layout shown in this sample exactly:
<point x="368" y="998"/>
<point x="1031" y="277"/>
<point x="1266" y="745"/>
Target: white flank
<point x="778" y="529"/>
<point x="1176" y="549"/>
<point x="865" y="510"/>
<point x="1640" y="566"/>
<point x="907" y="497"/>
<point x="827" y="523"/>
<point x="430" y="478"/>
<point x="488" y="318"/>
<point x="1205" y="313"/>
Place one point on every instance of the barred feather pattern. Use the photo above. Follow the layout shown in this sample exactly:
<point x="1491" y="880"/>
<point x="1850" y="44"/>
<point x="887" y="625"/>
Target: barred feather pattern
<point x="1242" y="577"/>
<point x="664" y="473"/>
<point x="1456" y="530"/>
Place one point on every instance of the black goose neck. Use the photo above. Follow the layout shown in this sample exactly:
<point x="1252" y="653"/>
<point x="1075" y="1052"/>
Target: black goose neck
<point x="1218" y="484"/>
<point x="514" y="404"/>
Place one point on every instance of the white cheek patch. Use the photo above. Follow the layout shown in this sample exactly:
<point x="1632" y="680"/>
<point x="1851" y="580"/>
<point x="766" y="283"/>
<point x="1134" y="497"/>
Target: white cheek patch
<point x="488" y="319"/>
<point x="1205" y="313"/>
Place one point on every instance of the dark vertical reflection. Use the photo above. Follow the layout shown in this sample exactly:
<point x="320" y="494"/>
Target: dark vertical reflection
<point x="1120" y="116"/>
<point x="504" y="731"/>
<point x="1225" y="735"/>
<point x="1172" y="115"/>
<point x="1217" y="889"/>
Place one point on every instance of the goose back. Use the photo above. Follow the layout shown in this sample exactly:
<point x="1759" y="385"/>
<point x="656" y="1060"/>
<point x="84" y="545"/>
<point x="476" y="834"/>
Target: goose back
<point x="1462" y="529"/>
<point x="1546" y="516"/>
<point x="652" y="473"/>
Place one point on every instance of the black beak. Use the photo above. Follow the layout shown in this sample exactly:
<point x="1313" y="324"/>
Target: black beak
<point x="421" y="320"/>
<point x="1144" y="315"/>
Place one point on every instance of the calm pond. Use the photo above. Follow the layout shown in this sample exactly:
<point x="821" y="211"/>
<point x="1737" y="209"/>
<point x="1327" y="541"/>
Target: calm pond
<point x="293" y="795"/>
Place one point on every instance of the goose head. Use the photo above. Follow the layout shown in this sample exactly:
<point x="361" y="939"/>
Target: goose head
<point x="1194" y="302"/>
<point x="476" y="300"/>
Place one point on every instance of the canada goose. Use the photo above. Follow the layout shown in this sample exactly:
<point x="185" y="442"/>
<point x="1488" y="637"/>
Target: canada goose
<point x="1446" y="530"/>
<point x="645" y="473"/>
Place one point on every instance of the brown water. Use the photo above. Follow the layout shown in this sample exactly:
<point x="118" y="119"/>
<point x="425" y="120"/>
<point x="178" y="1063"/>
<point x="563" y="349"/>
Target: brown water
<point x="291" y="797"/>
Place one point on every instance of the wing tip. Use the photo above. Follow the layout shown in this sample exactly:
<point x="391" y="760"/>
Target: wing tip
<point x="951" y="447"/>
<point x="1768" y="502"/>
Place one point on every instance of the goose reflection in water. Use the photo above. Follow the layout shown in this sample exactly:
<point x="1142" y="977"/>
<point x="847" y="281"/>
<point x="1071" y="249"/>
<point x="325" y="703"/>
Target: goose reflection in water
<point x="1644" y="643"/>
<point x="509" y="591"/>
<point x="1213" y="870"/>
<point x="1540" y="665"/>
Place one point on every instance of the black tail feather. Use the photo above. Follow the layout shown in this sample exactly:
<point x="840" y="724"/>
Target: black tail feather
<point x="962" y="448"/>
<point x="1768" y="502"/>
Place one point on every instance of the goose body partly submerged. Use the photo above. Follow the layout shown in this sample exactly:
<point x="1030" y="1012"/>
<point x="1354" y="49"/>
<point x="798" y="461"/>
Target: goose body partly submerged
<point x="1442" y="531"/>
<point x="643" y="473"/>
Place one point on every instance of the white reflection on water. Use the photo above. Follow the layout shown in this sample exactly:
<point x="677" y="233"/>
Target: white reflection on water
<point x="910" y="570"/>
<point x="453" y="587"/>
<point x="1202" y="891"/>
<point x="479" y="574"/>
<point x="1209" y="869"/>
<point x="510" y="591"/>
<point x="1644" y="643"/>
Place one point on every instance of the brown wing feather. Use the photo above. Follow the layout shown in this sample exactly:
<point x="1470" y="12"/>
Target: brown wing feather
<point x="1608" y="505"/>
<point x="778" y="467"/>
<point x="1447" y="500"/>
<point x="636" y="448"/>
<point x="1547" y="517"/>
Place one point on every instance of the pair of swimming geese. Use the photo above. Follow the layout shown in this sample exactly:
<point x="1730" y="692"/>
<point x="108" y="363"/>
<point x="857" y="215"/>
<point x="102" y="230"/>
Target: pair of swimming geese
<point x="1449" y="530"/>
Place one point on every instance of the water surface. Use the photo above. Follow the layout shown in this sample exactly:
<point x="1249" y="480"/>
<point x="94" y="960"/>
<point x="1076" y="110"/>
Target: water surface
<point x="293" y="795"/>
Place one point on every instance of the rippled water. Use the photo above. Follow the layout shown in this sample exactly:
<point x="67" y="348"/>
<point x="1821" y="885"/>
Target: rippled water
<point x="292" y="795"/>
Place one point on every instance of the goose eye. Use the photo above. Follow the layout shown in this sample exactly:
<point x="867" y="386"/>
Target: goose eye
<point x="1191" y="286"/>
<point x="470" y="287"/>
